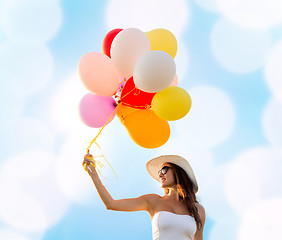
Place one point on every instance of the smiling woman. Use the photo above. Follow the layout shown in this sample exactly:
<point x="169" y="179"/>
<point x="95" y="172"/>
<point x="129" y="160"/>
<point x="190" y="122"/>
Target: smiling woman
<point x="177" y="214"/>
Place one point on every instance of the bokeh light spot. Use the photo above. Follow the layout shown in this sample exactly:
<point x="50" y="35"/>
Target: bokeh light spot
<point x="31" y="22"/>
<point x="210" y="120"/>
<point x="273" y="71"/>
<point x="148" y="15"/>
<point x="237" y="49"/>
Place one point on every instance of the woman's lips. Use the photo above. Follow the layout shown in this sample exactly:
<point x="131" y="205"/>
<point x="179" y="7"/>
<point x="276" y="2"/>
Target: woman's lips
<point x="162" y="180"/>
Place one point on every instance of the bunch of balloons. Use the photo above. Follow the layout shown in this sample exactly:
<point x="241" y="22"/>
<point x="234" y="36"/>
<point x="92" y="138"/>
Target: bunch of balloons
<point x="134" y="78"/>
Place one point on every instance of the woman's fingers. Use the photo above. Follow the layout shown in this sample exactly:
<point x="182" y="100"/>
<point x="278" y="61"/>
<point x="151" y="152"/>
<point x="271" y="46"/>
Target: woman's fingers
<point x="88" y="168"/>
<point x="87" y="162"/>
<point x="88" y="155"/>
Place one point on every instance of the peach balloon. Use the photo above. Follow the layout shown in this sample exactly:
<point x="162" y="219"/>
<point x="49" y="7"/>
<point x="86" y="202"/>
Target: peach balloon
<point x="146" y="129"/>
<point x="98" y="74"/>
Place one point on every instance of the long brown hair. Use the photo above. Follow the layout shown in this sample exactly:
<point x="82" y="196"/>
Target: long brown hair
<point x="186" y="193"/>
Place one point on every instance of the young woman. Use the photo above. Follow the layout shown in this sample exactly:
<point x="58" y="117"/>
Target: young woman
<point x="175" y="216"/>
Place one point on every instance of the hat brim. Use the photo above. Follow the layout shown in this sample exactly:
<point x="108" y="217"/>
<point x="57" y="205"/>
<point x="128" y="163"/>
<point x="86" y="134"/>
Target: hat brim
<point x="155" y="164"/>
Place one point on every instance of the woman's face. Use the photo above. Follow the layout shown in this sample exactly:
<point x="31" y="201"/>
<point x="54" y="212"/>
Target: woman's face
<point x="166" y="176"/>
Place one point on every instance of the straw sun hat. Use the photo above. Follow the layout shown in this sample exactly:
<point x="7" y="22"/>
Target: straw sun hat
<point x="155" y="164"/>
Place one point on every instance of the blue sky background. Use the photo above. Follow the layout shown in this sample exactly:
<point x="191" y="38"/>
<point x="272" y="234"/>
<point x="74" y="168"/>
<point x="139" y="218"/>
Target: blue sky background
<point x="229" y="60"/>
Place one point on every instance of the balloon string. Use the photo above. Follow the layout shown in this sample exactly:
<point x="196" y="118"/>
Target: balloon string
<point x="94" y="140"/>
<point x="147" y="106"/>
<point x="137" y="92"/>
<point x="123" y="80"/>
<point x="101" y="129"/>
<point x="127" y="93"/>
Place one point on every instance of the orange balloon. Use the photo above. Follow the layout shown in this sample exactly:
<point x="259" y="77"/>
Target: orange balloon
<point x="123" y="111"/>
<point x="146" y="129"/>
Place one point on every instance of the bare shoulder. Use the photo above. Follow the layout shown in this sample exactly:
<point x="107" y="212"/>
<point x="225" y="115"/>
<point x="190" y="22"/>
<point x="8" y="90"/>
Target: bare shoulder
<point x="153" y="202"/>
<point x="152" y="197"/>
<point x="201" y="211"/>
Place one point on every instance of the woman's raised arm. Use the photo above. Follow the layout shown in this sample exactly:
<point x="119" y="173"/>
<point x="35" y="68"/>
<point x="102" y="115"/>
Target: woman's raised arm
<point x="145" y="202"/>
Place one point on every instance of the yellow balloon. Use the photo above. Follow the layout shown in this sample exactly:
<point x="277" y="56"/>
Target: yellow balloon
<point x="171" y="103"/>
<point x="164" y="40"/>
<point x="146" y="129"/>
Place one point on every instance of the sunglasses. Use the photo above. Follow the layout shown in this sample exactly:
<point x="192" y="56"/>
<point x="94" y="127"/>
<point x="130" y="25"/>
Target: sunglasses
<point x="164" y="170"/>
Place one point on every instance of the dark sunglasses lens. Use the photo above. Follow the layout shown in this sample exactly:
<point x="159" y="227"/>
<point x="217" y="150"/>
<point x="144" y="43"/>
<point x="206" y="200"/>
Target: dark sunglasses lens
<point x="164" y="170"/>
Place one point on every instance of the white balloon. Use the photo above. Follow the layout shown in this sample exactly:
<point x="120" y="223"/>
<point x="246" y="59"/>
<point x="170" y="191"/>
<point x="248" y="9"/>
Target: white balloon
<point x="127" y="47"/>
<point x="154" y="71"/>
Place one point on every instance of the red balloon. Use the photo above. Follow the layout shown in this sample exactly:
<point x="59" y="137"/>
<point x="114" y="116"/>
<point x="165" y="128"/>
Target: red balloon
<point x="108" y="39"/>
<point x="135" y="97"/>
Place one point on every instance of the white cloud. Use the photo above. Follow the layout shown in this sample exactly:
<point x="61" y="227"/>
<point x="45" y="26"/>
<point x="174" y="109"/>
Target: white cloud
<point x="239" y="50"/>
<point x="210" y="120"/>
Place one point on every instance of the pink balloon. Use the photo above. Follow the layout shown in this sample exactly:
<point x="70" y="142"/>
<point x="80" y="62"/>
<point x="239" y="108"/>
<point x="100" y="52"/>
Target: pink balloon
<point x="175" y="81"/>
<point x="98" y="74"/>
<point x="96" y="110"/>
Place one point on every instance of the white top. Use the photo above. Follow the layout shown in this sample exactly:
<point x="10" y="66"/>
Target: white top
<point x="170" y="226"/>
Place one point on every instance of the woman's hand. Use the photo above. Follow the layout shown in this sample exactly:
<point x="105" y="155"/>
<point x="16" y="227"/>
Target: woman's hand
<point x="89" y="163"/>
